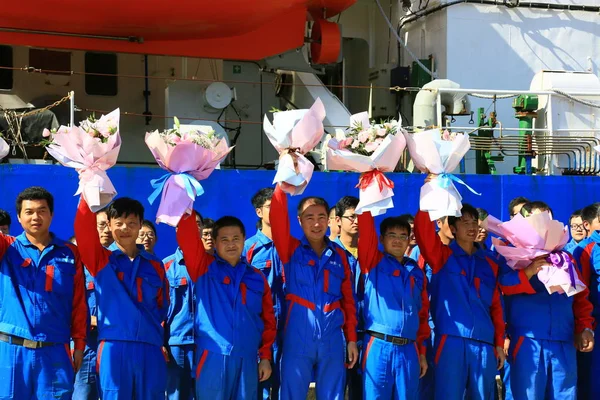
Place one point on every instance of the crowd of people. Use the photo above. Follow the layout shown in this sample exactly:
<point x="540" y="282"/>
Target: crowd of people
<point x="414" y="310"/>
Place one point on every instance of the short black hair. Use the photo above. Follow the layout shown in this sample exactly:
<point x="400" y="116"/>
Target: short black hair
<point x="124" y="207"/>
<point x="591" y="212"/>
<point x="35" y="193"/>
<point x="466" y="210"/>
<point x="261" y="197"/>
<point x="317" y="201"/>
<point x="515" y="202"/>
<point x="228" y="221"/>
<point x="344" y="204"/>
<point x="408" y="217"/>
<point x="208" y="223"/>
<point x="330" y="210"/>
<point x="576" y="214"/>
<point x="535" y="205"/>
<point x="5" y="218"/>
<point x="482" y="213"/>
<point x="149" y="224"/>
<point x="393" y="222"/>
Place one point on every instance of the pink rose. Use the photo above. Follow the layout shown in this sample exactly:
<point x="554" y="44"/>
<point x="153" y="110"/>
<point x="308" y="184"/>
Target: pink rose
<point x="345" y="143"/>
<point x="363" y="136"/>
<point x="371" y="146"/>
<point x="46" y="133"/>
<point x="381" y="132"/>
<point x="446" y="135"/>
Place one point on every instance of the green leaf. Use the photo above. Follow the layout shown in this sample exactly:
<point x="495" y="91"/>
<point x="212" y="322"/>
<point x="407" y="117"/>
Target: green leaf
<point x="274" y="110"/>
<point x="177" y="125"/>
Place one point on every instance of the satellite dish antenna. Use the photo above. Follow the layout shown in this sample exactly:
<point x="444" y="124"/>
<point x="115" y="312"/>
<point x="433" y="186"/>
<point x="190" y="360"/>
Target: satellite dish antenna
<point x="218" y="95"/>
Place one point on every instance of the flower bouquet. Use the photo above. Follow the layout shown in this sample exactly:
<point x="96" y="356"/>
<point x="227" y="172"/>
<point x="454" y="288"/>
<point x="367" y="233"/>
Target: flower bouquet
<point x="538" y="235"/>
<point x="294" y="133"/>
<point x="188" y="157"/>
<point x="370" y="149"/>
<point x="91" y="148"/>
<point x="4" y="148"/>
<point x="439" y="153"/>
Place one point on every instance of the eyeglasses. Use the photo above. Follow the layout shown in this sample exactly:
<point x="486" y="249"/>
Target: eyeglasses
<point x="206" y="235"/>
<point x="149" y="235"/>
<point x="102" y="226"/>
<point x="350" y="218"/>
<point x="393" y="236"/>
<point x="577" y="227"/>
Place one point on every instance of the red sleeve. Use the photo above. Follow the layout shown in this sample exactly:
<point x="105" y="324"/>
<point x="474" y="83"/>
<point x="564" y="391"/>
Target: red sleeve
<point x="368" y="253"/>
<point x="497" y="315"/>
<point x="515" y="282"/>
<point x="582" y="309"/>
<point x="270" y="326"/>
<point x="585" y="262"/>
<point x="79" y="312"/>
<point x="93" y="255"/>
<point x="424" y="330"/>
<point x="195" y="257"/>
<point x="347" y="301"/>
<point x="433" y="250"/>
<point x="5" y="242"/>
<point x="285" y="244"/>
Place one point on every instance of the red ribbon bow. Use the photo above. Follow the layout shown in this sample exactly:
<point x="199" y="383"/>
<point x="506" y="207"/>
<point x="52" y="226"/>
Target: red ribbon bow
<point x="374" y="175"/>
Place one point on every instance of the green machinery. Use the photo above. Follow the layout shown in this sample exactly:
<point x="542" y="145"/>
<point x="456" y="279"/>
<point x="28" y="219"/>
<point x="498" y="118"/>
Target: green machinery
<point x="485" y="161"/>
<point x="525" y="106"/>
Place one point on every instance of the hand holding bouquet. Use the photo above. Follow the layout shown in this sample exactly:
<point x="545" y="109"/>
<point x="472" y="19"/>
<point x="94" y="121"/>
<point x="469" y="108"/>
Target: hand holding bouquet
<point x="532" y="237"/>
<point x="294" y="133"/>
<point x="189" y="158"/>
<point x="439" y="153"/>
<point x="370" y="149"/>
<point x="91" y="148"/>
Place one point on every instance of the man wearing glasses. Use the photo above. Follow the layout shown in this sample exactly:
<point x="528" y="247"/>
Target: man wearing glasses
<point x="346" y="219"/>
<point x="396" y="311"/>
<point x="578" y="231"/>
<point x="147" y="236"/>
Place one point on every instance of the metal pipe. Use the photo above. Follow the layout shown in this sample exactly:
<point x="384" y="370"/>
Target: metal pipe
<point x="132" y="39"/>
<point x="503" y="91"/>
<point x="72" y="108"/>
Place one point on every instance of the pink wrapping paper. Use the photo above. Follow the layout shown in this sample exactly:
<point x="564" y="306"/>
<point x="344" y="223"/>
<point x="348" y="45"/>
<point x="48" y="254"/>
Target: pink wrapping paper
<point x="430" y="153"/>
<point x="374" y="197"/>
<point x="186" y="163"/>
<point x="531" y="237"/>
<point x="75" y="148"/>
<point x="293" y="134"/>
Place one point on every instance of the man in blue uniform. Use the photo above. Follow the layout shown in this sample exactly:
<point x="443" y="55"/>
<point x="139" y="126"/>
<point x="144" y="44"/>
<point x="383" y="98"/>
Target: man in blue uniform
<point x="132" y="298"/>
<point x="42" y="300"/>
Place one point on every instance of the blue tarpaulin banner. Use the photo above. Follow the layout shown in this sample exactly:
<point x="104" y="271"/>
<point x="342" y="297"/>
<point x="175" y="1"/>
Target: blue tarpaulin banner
<point x="228" y="192"/>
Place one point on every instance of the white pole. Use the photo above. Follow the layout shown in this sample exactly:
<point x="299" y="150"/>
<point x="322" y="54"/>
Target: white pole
<point x="72" y="108"/>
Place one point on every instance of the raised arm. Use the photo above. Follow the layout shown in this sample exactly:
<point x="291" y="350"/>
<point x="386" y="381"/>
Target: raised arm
<point x="368" y="253"/>
<point x="285" y="244"/>
<point x="424" y="330"/>
<point x="79" y="311"/>
<point x="188" y="238"/>
<point x="347" y="302"/>
<point x="93" y="255"/>
<point x="5" y="242"/>
<point x="433" y="250"/>
<point x="270" y="326"/>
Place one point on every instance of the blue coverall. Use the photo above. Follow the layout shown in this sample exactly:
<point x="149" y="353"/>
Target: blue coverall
<point x="132" y="298"/>
<point x="180" y="330"/>
<point x="396" y="306"/>
<point x="320" y="302"/>
<point x="467" y="314"/>
<point x="260" y="252"/>
<point x="234" y="320"/>
<point x="542" y="328"/>
<point x="42" y="300"/>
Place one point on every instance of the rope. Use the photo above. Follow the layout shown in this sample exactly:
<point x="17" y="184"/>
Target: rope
<point x="577" y="100"/>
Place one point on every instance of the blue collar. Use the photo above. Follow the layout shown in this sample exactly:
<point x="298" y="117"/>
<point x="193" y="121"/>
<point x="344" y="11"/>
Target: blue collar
<point x="328" y="243"/>
<point x="54" y="241"/>
<point x="262" y="238"/>
<point x="143" y="253"/>
<point x="458" y="251"/>
<point x="595" y="236"/>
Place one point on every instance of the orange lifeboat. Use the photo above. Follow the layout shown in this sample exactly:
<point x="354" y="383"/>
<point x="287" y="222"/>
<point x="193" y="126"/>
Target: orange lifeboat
<point x="228" y="29"/>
